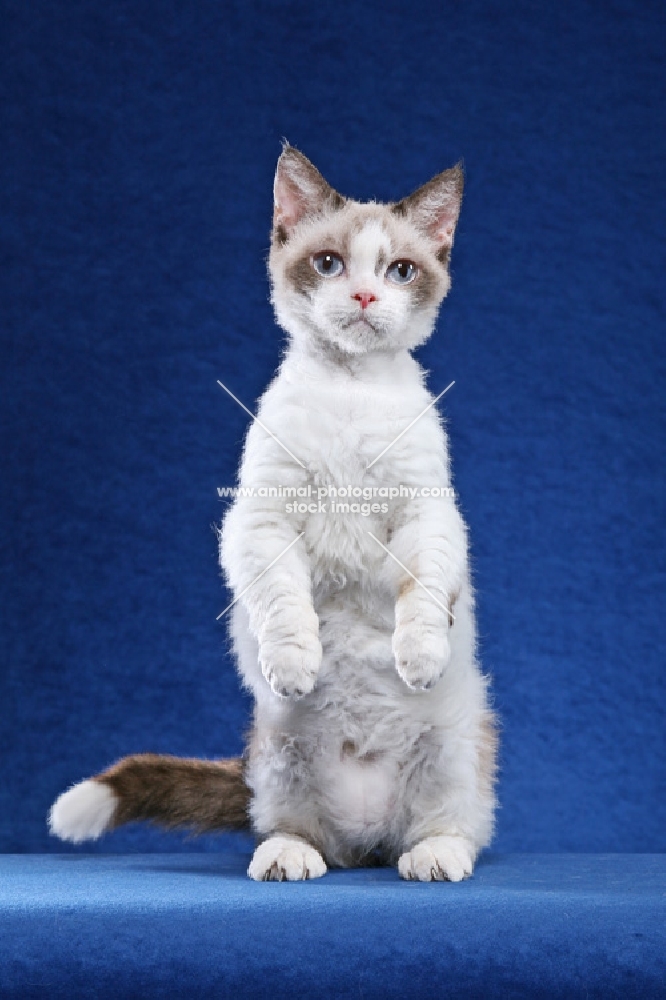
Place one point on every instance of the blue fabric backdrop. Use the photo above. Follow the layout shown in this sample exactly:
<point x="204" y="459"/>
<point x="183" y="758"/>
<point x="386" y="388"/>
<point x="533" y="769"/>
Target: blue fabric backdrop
<point x="139" y="143"/>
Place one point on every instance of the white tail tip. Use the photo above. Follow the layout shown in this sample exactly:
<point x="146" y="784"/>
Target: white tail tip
<point x="83" y="812"/>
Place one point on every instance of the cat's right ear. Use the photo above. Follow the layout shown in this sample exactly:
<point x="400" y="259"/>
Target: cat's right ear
<point x="299" y="191"/>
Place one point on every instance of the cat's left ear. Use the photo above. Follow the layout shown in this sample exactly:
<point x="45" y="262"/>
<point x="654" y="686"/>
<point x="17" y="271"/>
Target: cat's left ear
<point x="435" y="207"/>
<point x="299" y="191"/>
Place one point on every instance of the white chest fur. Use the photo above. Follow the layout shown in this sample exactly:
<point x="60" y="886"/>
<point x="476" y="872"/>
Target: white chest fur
<point x="350" y="429"/>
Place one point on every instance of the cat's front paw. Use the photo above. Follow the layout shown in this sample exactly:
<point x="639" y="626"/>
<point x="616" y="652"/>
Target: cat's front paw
<point x="286" y="859"/>
<point x="291" y="665"/>
<point x="421" y="654"/>
<point x="438" y="859"/>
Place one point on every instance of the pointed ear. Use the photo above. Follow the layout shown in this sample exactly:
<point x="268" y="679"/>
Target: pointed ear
<point x="434" y="208"/>
<point x="299" y="190"/>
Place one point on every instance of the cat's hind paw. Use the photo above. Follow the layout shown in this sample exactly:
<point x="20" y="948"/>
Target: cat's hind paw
<point x="286" y="859"/>
<point x="438" y="859"/>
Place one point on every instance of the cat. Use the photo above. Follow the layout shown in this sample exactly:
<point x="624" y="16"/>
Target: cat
<point x="373" y="739"/>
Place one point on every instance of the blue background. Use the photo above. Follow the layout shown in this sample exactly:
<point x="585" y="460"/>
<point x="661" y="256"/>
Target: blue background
<point x="139" y="144"/>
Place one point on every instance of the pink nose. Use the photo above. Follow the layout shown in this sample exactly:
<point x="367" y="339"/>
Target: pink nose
<point x="365" y="298"/>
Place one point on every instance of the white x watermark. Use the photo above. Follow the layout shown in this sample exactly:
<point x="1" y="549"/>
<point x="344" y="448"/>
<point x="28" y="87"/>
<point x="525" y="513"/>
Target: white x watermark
<point x="298" y="461"/>
<point x="259" y="576"/>
<point x="415" y="578"/>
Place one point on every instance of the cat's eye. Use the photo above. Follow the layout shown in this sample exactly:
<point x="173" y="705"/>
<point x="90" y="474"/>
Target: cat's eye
<point x="402" y="272"/>
<point x="328" y="264"/>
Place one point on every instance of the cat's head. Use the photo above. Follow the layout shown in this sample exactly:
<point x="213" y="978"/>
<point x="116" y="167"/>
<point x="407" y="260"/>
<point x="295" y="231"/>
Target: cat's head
<point x="358" y="276"/>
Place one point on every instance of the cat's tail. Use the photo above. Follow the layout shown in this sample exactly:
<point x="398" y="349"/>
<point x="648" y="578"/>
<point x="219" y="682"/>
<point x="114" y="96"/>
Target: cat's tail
<point x="202" y="795"/>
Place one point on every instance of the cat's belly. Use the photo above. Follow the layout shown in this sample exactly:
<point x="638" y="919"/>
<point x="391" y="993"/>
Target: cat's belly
<point x="359" y="795"/>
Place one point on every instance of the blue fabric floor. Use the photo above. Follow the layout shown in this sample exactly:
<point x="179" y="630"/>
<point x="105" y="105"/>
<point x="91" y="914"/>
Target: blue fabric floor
<point x="193" y="925"/>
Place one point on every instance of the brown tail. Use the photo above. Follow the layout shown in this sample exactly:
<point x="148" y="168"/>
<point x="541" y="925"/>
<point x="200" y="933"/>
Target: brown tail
<point x="201" y="795"/>
<point x="179" y="791"/>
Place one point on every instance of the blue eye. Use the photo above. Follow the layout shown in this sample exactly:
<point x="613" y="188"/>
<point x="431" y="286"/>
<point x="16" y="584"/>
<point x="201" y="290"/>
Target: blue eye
<point x="402" y="272"/>
<point x="328" y="264"/>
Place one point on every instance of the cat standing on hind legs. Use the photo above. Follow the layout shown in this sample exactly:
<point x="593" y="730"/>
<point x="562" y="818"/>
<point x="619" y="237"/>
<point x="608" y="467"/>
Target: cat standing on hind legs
<point x="354" y="617"/>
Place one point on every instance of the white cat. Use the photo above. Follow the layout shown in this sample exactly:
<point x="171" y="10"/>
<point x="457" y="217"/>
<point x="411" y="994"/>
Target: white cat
<point x="353" y="620"/>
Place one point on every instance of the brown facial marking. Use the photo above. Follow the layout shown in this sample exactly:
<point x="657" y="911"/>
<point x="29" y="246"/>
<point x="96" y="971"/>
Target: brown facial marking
<point x="303" y="276"/>
<point x="423" y="288"/>
<point x="382" y="261"/>
<point x="399" y="209"/>
<point x="280" y="234"/>
<point x="444" y="255"/>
